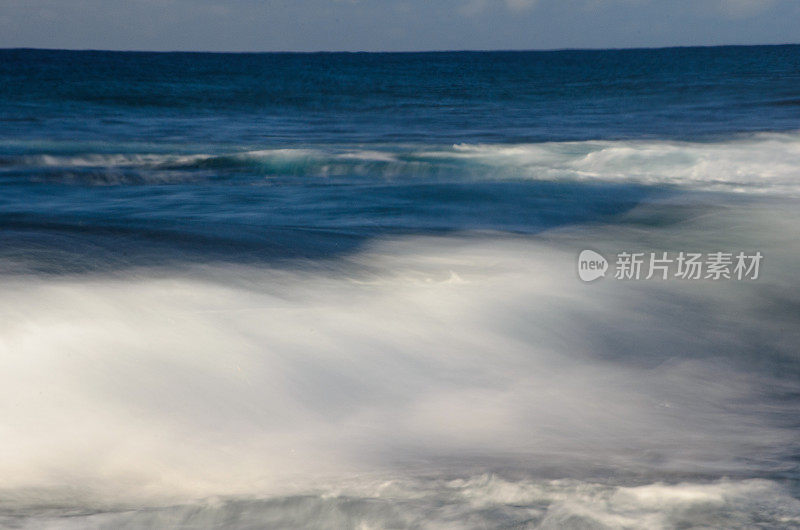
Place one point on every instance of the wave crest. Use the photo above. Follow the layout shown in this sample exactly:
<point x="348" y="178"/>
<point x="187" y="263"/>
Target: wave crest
<point x="762" y="163"/>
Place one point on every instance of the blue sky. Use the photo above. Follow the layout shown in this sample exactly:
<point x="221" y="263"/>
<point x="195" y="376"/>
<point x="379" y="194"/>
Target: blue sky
<point x="310" y="25"/>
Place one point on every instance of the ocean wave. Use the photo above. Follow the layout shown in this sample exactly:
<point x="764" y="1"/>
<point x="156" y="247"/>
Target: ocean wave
<point x="481" y="501"/>
<point x="332" y="394"/>
<point x="231" y="380"/>
<point x="762" y="163"/>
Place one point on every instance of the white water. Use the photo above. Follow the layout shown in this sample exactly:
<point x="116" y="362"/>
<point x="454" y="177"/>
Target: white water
<point x="764" y="163"/>
<point x="482" y="501"/>
<point x="761" y="163"/>
<point x="418" y="356"/>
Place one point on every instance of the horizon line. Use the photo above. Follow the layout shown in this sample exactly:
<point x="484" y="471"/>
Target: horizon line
<point x="497" y="50"/>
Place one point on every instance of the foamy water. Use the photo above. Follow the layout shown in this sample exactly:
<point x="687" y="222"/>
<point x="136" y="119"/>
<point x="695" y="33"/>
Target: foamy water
<point x="764" y="163"/>
<point x="298" y="388"/>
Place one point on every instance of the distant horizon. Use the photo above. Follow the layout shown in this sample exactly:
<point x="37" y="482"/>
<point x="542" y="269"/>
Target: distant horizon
<point x="465" y="50"/>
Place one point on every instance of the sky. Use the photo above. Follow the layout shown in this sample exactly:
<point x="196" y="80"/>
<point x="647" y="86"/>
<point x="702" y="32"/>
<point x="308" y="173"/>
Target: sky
<point x="393" y="25"/>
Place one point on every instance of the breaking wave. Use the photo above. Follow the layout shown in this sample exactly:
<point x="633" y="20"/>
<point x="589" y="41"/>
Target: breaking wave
<point x="414" y="358"/>
<point x="482" y="501"/>
<point x="764" y="163"/>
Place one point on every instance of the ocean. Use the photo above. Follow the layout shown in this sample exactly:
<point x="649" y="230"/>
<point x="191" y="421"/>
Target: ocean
<point x="343" y="290"/>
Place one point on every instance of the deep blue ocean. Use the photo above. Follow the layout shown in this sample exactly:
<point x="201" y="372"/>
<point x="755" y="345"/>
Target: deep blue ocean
<point x="338" y="289"/>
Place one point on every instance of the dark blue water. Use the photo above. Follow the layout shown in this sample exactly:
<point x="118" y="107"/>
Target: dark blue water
<point x="241" y="149"/>
<point x="290" y="99"/>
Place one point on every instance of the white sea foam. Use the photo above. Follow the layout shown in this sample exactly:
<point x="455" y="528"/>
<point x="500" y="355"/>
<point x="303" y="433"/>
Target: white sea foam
<point x="482" y="501"/>
<point x="100" y="160"/>
<point x="156" y="387"/>
<point x="765" y="163"/>
<point x="762" y="163"/>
